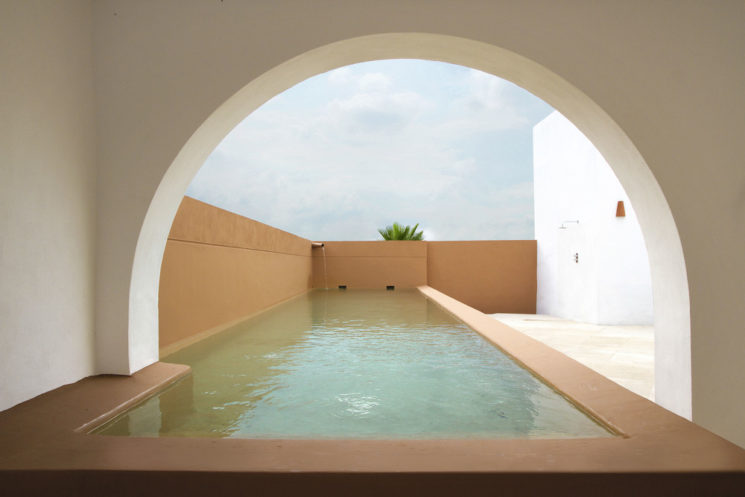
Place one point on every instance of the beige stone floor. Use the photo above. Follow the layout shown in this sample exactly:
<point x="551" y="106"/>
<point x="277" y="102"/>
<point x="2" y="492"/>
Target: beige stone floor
<point x="624" y="354"/>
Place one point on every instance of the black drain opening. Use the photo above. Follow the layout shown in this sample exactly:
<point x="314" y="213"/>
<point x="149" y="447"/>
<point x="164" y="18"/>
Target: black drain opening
<point x="342" y="287"/>
<point x="390" y="287"/>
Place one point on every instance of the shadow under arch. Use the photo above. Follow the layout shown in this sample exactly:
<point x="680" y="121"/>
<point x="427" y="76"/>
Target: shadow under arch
<point x="667" y="265"/>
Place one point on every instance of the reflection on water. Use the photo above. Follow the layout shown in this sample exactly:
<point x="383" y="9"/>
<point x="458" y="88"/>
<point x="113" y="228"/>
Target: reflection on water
<point x="353" y="364"/>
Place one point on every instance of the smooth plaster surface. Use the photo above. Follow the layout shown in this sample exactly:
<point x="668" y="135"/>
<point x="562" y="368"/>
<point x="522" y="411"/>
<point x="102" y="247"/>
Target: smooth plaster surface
<point x="219" y="267"/>
<point x="656" y="86"/>
<point x="658" y="454"/>
<point x="370" y="264"/>
<point x="576" y="196"/>
<point x="491" y="276"/>
<point x="47" y="197"/>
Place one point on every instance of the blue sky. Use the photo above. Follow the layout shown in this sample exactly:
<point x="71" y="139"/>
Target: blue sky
<point x="347" y="152"/>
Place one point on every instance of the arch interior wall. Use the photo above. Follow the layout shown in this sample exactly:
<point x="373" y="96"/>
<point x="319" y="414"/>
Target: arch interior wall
<point x="657" y="89"/>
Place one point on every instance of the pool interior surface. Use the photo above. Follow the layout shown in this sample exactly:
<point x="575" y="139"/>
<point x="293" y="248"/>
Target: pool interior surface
<point x="360" y="364"/>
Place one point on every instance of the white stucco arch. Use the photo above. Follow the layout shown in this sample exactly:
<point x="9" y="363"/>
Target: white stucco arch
<point x="671" y="296"/>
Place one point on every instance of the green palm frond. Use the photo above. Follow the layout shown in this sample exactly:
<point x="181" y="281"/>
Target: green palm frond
<point x="400" y="232"/>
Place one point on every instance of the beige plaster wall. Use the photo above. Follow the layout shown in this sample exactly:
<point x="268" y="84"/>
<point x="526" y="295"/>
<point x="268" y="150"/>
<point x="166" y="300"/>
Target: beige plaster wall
<point x="370" y="264"/>
<point x="47" y="203"/>
<point x="491" y="276"/>
<point x="219" y="267"/>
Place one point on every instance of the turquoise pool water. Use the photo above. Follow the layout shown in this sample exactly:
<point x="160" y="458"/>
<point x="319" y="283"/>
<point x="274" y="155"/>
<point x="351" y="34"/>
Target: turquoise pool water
<point x="354" y="364"/>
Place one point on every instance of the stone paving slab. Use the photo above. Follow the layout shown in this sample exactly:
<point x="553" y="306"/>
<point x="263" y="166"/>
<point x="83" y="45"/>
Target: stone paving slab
<point x="624" y="354"/>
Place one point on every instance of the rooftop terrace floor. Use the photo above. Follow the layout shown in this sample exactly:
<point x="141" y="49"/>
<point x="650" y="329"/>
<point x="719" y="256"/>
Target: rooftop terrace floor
<point x="622" y="353"/>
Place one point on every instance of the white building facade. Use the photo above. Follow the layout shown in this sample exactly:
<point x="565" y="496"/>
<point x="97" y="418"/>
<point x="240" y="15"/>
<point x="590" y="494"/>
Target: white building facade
<point x="592" y="261"/>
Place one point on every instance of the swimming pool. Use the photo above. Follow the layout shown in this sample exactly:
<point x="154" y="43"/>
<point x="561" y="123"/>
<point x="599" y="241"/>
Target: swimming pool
<point x="360" y="364"/>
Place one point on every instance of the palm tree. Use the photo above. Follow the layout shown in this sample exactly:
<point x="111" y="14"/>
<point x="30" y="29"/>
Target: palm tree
<point x="399" y="232"/>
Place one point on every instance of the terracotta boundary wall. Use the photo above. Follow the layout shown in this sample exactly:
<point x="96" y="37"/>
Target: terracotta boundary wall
<point x="219" y="267"/>
<point x="490" y="275"/>
<point x="370" y="264"/>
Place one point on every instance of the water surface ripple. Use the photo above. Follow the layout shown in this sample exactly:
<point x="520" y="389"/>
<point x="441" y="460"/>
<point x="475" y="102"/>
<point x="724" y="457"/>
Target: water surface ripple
<point x="354" y="364"/>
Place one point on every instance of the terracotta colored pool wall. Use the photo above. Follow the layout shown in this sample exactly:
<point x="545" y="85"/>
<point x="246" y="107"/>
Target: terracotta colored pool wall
<point x="491" y="276"/>
<point x="219" y="267"/>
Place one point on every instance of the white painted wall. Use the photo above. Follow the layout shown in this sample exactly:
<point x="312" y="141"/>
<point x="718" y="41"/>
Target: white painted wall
<point x="610" y="282"/>
<point x="47" y="204"/>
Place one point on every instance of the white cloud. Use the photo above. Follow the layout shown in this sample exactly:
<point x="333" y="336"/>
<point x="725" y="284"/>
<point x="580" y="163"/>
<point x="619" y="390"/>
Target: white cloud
<point x="483" y="106"/>
<point x="374" y="82"/>
<point x="362" y="113"/>
<point x="340" y="76"/>
<point x="430" y="234"/>
<point x="486" y="91"/>
<point x="377" y="153"/>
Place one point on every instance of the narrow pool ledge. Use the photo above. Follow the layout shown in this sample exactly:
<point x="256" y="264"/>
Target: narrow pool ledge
<point x="44" y="448"/>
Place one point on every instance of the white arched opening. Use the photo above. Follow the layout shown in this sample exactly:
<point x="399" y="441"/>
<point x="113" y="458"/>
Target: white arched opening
<point x="670" y="286"/>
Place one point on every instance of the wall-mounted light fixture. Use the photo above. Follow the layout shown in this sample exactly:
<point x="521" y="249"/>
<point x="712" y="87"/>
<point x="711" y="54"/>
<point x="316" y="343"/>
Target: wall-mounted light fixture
<point x="620" y="210"/>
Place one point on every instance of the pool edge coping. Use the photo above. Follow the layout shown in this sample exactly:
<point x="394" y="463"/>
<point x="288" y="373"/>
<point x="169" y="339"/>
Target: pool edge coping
<point x="465" y="314"/>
